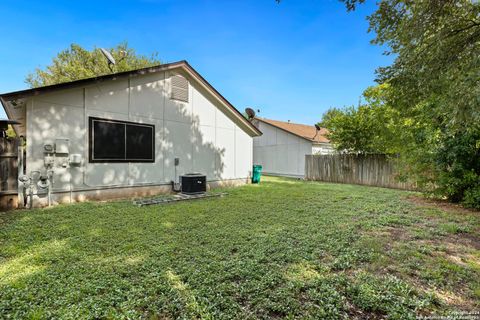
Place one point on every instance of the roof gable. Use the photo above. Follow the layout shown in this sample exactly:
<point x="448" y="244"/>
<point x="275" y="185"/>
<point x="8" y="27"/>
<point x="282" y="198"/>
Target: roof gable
<point x="246" y="125"/>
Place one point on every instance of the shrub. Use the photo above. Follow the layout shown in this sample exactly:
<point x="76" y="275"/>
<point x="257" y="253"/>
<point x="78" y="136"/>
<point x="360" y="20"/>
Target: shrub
<point x="472" y="197"/>
<point x="458" y="167"/>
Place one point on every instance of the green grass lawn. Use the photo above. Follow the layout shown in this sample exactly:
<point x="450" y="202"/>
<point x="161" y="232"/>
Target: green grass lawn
<point x="284" y="248"/>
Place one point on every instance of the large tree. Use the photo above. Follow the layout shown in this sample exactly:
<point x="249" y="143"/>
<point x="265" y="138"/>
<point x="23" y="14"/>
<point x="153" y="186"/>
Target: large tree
<point x="436" y="44"/>
<point x="433" y="94"/>
<point x="368" y="128"/>
<point x="77" y="63"/>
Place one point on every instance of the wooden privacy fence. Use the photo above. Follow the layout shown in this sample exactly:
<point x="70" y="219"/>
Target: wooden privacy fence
<point x="8" y="173"/>
<point x="371" y="169"/>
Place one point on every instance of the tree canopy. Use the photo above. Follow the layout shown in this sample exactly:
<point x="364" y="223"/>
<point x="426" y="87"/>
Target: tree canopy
<point x="77" y="63"/>
<point x="367" y="128"/>
<point x="426" y="109"/>
<point x="436" y="45"/>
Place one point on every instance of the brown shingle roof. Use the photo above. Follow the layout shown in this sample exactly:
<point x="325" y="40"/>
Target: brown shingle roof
<point x="301" y="130"/>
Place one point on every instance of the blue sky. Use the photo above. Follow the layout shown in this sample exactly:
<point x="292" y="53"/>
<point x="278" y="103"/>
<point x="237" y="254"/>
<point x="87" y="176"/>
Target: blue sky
<point x="291" y="60"/>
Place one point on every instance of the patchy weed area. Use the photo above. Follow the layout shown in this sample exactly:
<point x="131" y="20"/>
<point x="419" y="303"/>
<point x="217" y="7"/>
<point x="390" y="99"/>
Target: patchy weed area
<point x="284" y="248"/>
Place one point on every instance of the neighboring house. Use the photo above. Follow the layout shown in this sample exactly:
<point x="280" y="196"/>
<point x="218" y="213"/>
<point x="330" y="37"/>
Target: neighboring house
<point x="120" y="134"/>
<point x="282" y="148"/>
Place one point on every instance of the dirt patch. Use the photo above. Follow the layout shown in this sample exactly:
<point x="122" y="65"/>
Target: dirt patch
<point x="472" y="240"/>
<point x="457" y="244"/>
<point x="389" y="236"/>
<point x="442" y="205"/>
<point x="454" y="299"/>
<point x="398" y="234"/>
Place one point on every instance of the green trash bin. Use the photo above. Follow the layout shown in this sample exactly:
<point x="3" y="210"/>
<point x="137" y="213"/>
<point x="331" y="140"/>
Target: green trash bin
<point x="257" y="173"/>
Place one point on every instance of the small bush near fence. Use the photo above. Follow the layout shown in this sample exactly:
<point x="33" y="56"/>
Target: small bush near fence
<point x="371" y="169"/>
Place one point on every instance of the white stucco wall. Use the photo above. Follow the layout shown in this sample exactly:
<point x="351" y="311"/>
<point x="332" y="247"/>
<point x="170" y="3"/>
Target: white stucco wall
<point x="322" y="148"/>
<point x="198" y="132"/>
<point x="280" y="152"/>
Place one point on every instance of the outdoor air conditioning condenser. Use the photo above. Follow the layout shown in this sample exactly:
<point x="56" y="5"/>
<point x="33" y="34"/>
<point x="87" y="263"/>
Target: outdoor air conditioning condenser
<point x="193" y="183"/>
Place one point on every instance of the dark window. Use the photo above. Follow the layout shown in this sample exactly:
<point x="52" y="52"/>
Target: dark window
<point x="139" y="142"/>
<point x="108" y="140"/>
<point x="121" y="141"/>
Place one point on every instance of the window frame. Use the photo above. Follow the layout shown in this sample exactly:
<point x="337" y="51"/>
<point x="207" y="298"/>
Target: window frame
<point x="91" y="135"/>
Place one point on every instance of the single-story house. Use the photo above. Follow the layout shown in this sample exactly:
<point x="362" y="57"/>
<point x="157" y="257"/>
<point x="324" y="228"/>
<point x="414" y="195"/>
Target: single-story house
<point x="282" y="148"/>
<point x="130" y="133"/>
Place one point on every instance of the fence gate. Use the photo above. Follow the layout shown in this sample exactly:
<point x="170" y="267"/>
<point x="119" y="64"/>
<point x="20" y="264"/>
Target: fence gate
<point x="9" y="173"/>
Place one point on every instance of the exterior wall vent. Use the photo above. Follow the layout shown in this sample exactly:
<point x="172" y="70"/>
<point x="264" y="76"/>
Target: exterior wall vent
<point x="179" y="88"/>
